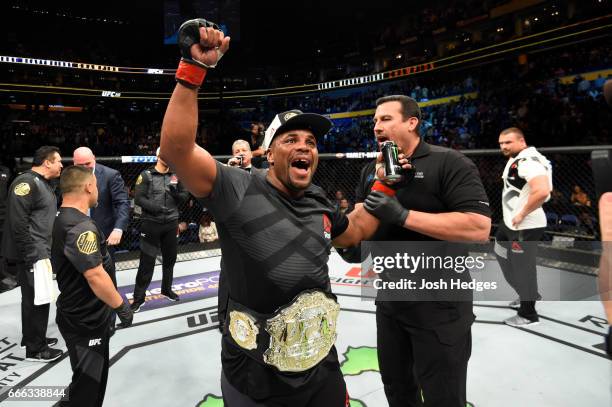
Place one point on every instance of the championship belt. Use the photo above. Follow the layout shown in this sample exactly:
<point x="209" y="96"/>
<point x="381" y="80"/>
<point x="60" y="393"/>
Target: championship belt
<point x="301" y="334"/>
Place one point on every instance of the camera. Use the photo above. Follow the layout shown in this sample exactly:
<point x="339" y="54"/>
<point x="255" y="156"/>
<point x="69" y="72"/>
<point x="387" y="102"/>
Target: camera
<point x="239" y="160"/>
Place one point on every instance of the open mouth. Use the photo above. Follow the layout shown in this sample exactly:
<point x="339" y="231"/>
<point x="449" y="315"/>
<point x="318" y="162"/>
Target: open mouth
<point x="381" y="139"/>
<point x="301" y="166"/>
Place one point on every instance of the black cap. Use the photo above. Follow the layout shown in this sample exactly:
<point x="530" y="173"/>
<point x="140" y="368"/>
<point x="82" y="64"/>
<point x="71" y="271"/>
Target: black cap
<point x="296" y="120"/>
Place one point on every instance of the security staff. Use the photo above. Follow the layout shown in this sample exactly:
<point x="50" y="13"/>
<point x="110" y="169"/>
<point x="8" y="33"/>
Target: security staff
<point x="5" y="176"/>
<point x="276" y="230"/>
<point x="527" y="185"/>
<point x="159" y="194"/>
<point x="80" y="257"/>
<point x="31" y="210"/>
<point x="7" y="281"/>
<point x="424" y="347"/>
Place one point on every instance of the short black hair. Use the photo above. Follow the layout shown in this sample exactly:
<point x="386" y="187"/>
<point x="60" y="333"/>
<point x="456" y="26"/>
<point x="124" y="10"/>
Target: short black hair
<point x="515" y="130"/>
<point x="410" y="107"/>
<point x="73" y="178"/>
<point x="44" y="153"/>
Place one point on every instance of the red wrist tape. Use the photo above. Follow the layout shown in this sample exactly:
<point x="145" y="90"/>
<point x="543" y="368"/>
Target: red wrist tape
<point x="190" y="74"/>
<point x="385" y="189"/>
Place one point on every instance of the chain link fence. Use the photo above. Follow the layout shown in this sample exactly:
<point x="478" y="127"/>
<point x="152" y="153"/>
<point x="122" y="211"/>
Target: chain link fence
<point x="572" y="215"/>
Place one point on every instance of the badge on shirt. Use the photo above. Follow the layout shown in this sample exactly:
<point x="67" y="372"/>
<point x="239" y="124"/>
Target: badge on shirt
<point x="139" y="180"/>
<point x="87" y="243"/>
<point x="22" y="189"/>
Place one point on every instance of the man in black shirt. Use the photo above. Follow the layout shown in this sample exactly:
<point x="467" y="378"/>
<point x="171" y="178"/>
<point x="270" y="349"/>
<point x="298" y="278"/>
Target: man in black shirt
<point x="160" y="194"/>
<point x="424" y="347"/>
<point x="256" y="147"/>
<point x="276" y="230"/>
<point x="31" y="209"/>
<point x="82" y="263"/>
<point x="7" y="281"/>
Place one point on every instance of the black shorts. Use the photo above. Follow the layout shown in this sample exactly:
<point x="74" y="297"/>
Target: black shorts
<point x="329" y="393"/>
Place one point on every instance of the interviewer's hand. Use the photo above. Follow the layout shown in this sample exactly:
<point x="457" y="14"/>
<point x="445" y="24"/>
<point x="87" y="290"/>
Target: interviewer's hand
<point x="380" y="168"/>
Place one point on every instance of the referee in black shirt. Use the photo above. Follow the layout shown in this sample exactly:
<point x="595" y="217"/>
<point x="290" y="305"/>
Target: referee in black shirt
<point x="83" y="264"/>
<point x="424" y="347"/>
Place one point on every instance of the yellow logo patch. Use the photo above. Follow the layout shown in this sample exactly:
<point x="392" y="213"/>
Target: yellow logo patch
<point x="87" y="243"/>
<point x="22" y="189"/>
<point x="139" y="180"/>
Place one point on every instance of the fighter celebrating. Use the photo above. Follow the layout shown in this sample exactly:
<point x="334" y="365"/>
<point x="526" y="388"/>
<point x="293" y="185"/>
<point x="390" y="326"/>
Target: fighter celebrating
<point x="276" y="230"/>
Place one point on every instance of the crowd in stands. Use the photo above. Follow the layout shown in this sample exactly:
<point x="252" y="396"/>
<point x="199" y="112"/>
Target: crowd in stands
<point x="99" y="41"/>
<point x="530" y="96"/>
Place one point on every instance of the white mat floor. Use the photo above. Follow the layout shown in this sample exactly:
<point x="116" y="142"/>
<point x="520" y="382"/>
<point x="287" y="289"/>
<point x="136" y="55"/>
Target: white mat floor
<point x="170" y="357"/>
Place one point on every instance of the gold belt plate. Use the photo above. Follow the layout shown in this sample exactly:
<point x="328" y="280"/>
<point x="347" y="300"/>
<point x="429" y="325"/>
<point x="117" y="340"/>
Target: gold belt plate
<point x="302" y="334"/>
<point x="243" y="329"/>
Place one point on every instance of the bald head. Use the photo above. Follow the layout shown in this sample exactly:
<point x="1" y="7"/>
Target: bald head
<point x="83" y="156"/>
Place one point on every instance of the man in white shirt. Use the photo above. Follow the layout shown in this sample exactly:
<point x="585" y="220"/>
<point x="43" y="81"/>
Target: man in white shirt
<point x="527" y="185"/>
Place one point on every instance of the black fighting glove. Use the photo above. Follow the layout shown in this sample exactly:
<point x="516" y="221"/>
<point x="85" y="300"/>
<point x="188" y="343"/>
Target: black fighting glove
<point x="386" y="208"/>
<point x="190" y="72"/>
<point x="189" y="34"/>
<point x="125" y="314"/>
<point x="609" y="342"/>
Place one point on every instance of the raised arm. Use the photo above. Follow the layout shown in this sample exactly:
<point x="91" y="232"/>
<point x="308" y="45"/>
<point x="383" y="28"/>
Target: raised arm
<point x="202" y="45"/>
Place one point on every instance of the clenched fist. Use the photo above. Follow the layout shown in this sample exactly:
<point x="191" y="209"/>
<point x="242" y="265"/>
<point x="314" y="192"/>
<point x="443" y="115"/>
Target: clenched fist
<point x="202" y="45"/>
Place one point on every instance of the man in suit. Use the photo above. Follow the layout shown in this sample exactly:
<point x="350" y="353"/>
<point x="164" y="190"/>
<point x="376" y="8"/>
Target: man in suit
<point x="113" y="210"/>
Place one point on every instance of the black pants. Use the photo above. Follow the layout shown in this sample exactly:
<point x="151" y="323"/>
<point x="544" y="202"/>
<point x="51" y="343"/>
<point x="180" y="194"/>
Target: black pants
<point x="519" y="265"/>
<point x="34" y="318"/>
<point x="88" y="353"/>
<point x="416" y="368"/>
<point x="153" y="236"/>
<point x="113" y="275"/>
<point x="330" y="393"/>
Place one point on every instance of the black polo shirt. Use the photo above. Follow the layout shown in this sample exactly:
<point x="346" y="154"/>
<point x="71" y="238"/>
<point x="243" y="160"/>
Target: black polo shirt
<point x="444" y="181"/>
<point x="79" y="245"/>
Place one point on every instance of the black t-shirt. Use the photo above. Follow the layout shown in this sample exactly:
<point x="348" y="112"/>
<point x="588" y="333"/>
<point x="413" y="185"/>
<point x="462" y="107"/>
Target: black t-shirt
<point x="444" y="181"/>
<point x="79" y="245"/>
<point x="273" y="248"/>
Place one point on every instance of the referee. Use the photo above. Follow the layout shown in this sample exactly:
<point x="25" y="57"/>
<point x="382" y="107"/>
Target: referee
<point x="424" y="347"/>
<point x="83" y="264"/>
